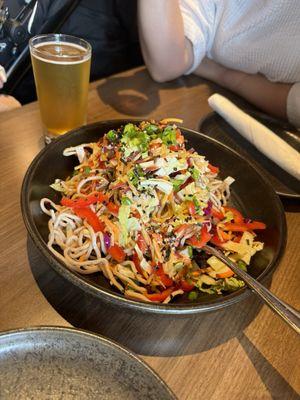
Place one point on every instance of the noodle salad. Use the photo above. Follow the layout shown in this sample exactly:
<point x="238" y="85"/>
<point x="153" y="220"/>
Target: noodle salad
<point x="139" y="207"/>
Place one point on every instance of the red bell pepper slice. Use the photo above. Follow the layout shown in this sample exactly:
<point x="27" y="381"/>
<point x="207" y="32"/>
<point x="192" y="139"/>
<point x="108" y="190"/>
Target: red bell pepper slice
<point x="217" y="214"/>
<point x="117" y="253"/>
<point x="256" y="225"/>
<point x="141" y="243"/>
<point x="165" y="280"/>
<point x="84" y="202"/>
<point x="91" y="217"/>
<point x="191" y="207"/>
<point x="205" y="236"/>
<point x="235" y="227"/>
<point x="213" y="169"/>
<point x="159" y="271"/>
<point x="225" y="236"/>
<point x="216" y="240"/>
<point x="113" y="208"/>
<point x="186" y="287"/>
<point x="174" y="147"/>
<point x="160" y="297"/>
<point x="244" y="227"/>
<point x="237" y="216"/>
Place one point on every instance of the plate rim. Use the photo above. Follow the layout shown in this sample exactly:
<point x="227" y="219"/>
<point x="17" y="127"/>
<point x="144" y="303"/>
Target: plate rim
<point x="92" y="335"/>
<point x="114" y="298"/>
<point x="212" y="114"/>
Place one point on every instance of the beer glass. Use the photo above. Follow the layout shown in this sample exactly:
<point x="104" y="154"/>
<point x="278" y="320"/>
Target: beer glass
<point x="61" y="67"/>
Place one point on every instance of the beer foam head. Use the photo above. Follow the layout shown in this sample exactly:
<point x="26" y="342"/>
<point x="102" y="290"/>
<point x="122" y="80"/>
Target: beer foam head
<point x="60" y="52"/>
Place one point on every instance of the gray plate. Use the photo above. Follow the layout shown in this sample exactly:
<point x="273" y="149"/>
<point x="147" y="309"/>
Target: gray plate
<point x="61" y="363"/>
<point x="283" y="183"/>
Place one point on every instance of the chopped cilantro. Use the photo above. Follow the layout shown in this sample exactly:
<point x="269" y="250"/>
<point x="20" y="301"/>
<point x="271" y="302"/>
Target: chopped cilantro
<point x="197" y="203"/>
<point x="177" y="183"/>
<point x="190" y="251"/>
<point x="195" y="173"/>
<point x="112" y="135"/>
<point x="133" y="139"/>
<point x="168" y="136"/>
<point x="242" y="265"/>
<point x="133" y="178"/>
<point x="126" y="201"/>
<point x="135" y="174"/>
<point x="152" y="130"/>
<point x="130" y="131"/>
<point x="232" y="284"/>
<point x="139" y="170"/>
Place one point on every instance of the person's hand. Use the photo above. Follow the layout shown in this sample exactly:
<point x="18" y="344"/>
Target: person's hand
<point x="8" y="103"/>
<point x="2" y="77"/>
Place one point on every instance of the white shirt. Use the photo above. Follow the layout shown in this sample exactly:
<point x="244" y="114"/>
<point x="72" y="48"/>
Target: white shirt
<point x="254" y="36"/>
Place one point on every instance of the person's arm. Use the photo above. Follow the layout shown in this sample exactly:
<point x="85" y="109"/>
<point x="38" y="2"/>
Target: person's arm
<point x="269" y="96"/>
<point x="167" y="53"/>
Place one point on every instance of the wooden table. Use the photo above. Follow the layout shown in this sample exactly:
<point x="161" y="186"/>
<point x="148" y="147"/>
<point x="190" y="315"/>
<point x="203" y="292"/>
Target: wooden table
<point x="243" y="352"/>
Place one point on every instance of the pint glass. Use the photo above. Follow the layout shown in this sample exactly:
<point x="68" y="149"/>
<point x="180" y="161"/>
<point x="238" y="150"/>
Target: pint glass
<point x="61" y="67"/>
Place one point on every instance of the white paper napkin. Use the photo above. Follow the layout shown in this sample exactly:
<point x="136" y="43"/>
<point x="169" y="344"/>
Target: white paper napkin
<point x="259" y="135"/>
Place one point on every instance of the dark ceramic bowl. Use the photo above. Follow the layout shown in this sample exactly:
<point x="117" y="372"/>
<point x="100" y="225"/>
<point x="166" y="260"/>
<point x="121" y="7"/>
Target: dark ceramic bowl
<point x="251" y="193"/>
<point x="65" y="363"/>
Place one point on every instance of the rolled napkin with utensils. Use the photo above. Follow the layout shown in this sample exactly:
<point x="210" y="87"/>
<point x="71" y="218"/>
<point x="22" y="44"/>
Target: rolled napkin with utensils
<point x="259" y="135"/>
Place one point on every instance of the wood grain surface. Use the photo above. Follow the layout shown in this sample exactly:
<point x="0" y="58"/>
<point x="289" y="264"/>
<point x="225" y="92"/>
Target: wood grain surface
<point x="243" y="352"/>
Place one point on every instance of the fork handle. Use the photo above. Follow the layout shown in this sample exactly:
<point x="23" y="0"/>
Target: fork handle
<point x="290" y="315"/>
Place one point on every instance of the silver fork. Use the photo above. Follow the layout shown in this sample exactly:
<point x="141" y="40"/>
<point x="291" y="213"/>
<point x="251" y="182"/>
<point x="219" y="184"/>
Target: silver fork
<point x="284" y="310"/>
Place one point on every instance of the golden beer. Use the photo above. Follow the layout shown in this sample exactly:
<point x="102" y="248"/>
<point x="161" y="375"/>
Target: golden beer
<point x="61" y="71"/>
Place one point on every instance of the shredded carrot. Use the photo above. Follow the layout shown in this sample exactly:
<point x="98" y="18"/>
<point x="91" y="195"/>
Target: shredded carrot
<point x="112" y="227"/>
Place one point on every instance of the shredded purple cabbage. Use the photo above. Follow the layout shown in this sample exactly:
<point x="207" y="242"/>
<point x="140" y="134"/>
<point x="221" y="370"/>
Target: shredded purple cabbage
<point x="207" y="210"/>
<point x="106" y="239"/>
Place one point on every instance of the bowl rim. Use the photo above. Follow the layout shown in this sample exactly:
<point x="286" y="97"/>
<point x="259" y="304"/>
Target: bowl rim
<point x="116" y="299"/>
<point x="83" y="334"/>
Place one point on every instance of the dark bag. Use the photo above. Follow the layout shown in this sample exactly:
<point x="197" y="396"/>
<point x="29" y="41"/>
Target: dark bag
<point x="110" y="26"/>
<point x="34" y="17"/>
